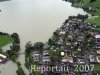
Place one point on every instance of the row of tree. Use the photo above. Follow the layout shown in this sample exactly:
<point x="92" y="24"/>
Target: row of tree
<point x="13" y="53"/>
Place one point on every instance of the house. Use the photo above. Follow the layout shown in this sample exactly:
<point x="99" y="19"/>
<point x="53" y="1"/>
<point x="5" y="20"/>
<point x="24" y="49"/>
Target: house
<point x="55" y="48"/>
<point x="36" y="53"/>
<point x="66" y="48"/>
<point x="60" y="41"/>
<point x="3" y="58"/>
<point x="75" y="43"/>
<point x="46" y="59"/>
<point x="70" y="36"/>
<point x="92" y="58"/>
<point x="36" y="56"/>
<point x="81" y="60"/>
<point x="79" y="48"/>
<point x="69" y="53"/>
<point x="56" y="59"/>
<point x="81" y="54"/>
<point x="98" y="58"/>
<point x="46" y="52"/>
<point x="80" y="38"/>
<point x="67" y="24"/>
<point x="92" y="34"/>
<point x="98" y="45"/>
<point x="36" y="59"/>
<point x="62" y="33"/>
<point x="67" y="59"/>
<point x="98" y="51"/>
<point x="68" y="43"/>
<point x="97" y="38"/>
<point x="62" y="54"/>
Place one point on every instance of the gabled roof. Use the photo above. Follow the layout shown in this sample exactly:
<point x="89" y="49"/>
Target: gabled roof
<point x="97" y="36"/>
<point x="66" y="48"/>
<point x="3" y="56"/>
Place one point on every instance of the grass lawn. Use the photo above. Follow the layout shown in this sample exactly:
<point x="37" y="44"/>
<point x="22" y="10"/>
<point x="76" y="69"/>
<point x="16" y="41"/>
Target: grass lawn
<point x="96" y="21"/>
<point x="97" y="68"/>
<point x="5" y="40"/>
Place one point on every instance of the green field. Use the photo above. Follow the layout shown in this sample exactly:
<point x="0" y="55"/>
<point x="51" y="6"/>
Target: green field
<point x="95" y="21"/>
<point x="96" y="5"/>
<point x="5" y="40"/>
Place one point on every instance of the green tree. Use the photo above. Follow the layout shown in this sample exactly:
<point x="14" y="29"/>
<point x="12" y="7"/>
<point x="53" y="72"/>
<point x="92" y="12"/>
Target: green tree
<point x="38" y="45"/>
<point x="15" y="36"/>
<point x="20" y="71"/>
<point x="1" y="50"/>
<point x="51" y="41"/>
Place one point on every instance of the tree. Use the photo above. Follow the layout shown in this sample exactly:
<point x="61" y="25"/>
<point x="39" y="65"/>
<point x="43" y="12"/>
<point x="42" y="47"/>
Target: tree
<point x="51" y="41"/>
<point x="92" y="1"/>
<point x="20" y="71"/>
<point x="18" y="63"/>
<point x="12" y="55"/>
<point x="79" y="16"/>
<point x="15" y="36"/>
<point x="28" y="45"/>
<point x="1" y="50"/>
<point x="38" y="45"/>
<point x="5" y="34"/>
<point x="15" y="47"/>
<point x="55" y="33"/>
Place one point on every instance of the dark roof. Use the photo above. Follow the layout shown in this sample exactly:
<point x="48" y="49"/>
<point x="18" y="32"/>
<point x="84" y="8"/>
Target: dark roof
<point x="66" y="47"/>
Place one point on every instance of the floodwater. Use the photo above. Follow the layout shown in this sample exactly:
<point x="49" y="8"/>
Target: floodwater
<point x="33" y="20"/>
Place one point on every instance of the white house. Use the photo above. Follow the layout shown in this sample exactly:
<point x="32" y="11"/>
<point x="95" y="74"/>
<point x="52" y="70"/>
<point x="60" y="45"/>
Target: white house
<point x="2" y="58"/>
<point x="97" y="37"/>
